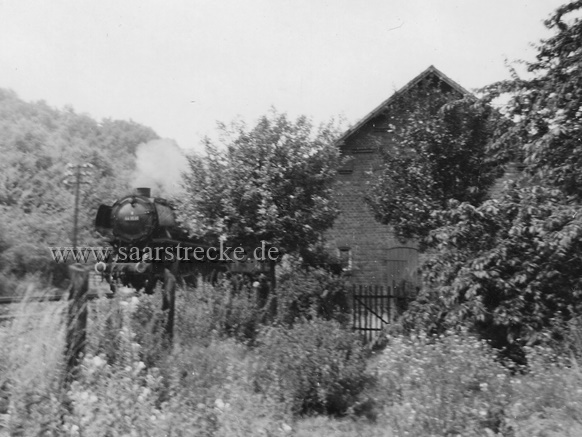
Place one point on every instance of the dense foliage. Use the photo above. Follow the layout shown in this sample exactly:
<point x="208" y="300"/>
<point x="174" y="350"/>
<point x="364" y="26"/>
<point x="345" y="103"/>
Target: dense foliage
<point x="311" y="293"/>
<point x="271" y="182"/>
<point x="439" y="153"/>
<point x="36" y="207"/>
<point x="315" y="366"/>
<point x="511" y="267"/>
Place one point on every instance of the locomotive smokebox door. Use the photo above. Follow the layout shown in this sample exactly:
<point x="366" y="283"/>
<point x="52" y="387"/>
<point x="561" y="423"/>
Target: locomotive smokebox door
<point x="103" y="219"/>
<point x="134" y="219"/>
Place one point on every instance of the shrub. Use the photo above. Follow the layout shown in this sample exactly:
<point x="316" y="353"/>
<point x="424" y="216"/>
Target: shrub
<point x="311" y="292"/>
<point x="547" y="399"/>
<point x="315" y="366"/>
<point x="232" y="308"/>
<point x="26" y="258"/>
<point x="441" y="385"/>
<point x="148" y="322"/>
<point x="210" y="311"/>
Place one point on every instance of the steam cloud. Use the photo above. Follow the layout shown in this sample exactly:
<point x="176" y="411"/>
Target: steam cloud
<point x="159" y="165"/>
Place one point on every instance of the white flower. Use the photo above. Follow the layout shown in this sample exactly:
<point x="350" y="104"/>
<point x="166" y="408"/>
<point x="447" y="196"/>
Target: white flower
<point x="133" y="303"/>
<point x="98" y="361"/>
<point x="126" y="291"/>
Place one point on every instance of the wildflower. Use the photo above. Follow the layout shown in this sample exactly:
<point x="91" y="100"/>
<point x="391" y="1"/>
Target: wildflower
<point x="133" y="303"/>
<point x="98" y="362"/>
<point x="138" y="367"/>
<point x="125" y="291"/>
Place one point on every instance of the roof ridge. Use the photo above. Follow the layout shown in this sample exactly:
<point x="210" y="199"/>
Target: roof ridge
<point x="406" y="87"/>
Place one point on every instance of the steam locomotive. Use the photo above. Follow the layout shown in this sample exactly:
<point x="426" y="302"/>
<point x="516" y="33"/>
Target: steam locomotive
<point x="139" y="225"/>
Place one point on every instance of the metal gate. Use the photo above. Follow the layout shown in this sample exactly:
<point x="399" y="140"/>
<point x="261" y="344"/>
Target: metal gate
<point x="374" y="307"/>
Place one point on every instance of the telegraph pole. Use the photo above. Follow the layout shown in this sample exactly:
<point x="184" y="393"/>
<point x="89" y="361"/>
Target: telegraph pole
<point x="74" y="176"/>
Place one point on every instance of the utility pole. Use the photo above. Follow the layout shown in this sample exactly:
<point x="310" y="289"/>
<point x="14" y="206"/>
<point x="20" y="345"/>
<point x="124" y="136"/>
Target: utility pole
<point x="74" y="176"/>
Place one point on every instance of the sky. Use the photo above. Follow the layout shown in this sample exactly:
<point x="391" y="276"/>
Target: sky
<point x="181" y="66"/>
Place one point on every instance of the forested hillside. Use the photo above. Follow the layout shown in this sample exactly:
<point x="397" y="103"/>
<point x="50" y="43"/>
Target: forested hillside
<point x="36" y="206"/>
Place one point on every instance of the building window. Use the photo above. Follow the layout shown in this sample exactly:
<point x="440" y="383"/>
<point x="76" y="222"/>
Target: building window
<point x="345" y="258"/>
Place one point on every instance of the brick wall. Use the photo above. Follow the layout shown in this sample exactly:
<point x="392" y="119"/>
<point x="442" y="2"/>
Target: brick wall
<point x="377" y="256"/>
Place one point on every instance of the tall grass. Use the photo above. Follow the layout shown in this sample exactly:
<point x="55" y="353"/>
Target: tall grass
<point x="210" y="383"/>
<point x="31" y="363"/>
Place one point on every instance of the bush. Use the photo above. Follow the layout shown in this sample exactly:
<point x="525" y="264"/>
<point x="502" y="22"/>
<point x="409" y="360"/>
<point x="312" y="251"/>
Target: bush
<point x="547" y="400"/>
<point x="311" y="292"/>
<point x="315" y="366"/>
<point x="148" y="322"/>
<point x="232" y="308"/>
<point x="210" y="311"/>
<point x="28" y="259"/>
<point x="441" y="385"/>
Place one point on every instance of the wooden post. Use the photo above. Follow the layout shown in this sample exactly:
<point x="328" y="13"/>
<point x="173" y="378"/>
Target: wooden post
<point x="170" y="294"/>
<point x="77" y="318"/>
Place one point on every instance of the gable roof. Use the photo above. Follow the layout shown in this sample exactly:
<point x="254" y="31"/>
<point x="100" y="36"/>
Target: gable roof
<point x="432" y="70"/>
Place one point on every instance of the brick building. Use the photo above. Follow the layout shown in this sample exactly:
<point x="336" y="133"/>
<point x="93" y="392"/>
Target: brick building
<point x="369" y="251"/>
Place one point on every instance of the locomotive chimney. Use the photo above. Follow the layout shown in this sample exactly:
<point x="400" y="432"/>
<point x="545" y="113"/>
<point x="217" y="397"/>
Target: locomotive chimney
<point x="143" y="191"/>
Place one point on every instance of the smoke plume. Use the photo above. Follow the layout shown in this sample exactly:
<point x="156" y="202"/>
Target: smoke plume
<point x="159" y="165"/>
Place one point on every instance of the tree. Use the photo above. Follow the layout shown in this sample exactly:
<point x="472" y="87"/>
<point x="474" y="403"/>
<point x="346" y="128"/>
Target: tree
<point x="272" y="183"/>
<point x="511" y="268"/>
<point x="546" y="108"/>
<point x="440" y="154"/>
<point x="36" y="143"/>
